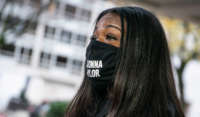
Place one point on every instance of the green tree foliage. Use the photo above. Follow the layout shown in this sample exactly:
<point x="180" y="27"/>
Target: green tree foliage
<point x="57" y="109"/>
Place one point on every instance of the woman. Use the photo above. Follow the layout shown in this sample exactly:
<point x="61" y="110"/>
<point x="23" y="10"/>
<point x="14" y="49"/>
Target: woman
<point x="128" y="71"/>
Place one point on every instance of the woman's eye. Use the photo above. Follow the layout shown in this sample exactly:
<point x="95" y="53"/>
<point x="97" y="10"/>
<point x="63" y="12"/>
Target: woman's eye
<point x="110" y="37"/>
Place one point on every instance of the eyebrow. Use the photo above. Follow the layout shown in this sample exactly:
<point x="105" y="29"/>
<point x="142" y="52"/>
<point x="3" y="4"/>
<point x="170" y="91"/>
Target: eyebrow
<point x="113" y="26"/>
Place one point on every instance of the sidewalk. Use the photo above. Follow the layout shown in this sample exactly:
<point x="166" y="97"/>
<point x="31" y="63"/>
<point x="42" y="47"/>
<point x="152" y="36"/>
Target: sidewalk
<point x="20" y="113"/>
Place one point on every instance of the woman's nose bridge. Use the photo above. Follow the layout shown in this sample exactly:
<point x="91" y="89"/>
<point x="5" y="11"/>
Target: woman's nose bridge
<point x="100" y="38"/>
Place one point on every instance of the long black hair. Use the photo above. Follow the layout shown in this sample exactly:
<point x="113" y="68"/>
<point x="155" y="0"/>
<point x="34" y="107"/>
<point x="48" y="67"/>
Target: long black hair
<point x="144" y="82"/>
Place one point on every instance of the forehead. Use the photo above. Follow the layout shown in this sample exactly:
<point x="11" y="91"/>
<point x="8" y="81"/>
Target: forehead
<point x="110" y="18"/>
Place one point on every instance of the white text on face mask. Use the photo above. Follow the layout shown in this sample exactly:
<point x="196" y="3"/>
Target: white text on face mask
<point x="93" y="73"/>
<point x="93" y="68"/>
<point x="94" y="64"/>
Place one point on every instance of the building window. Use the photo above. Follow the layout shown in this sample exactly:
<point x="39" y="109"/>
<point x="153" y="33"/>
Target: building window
<point x="25" y="55"/>
<point x="66" y="36"/>
<point x="12" y="21"/>
<point x="32" y="26"/>
<point x="76" y="66"/>
<point x="57" y="5"/>
<point x="70" y="11"/>
<point x="6" y="49"/>
<point x="45" y="59"/>
<point x="61" y="61"/>
<point x="49" y="32"/>
<point x="85" y="14"/>
<point x="81" y="40"/>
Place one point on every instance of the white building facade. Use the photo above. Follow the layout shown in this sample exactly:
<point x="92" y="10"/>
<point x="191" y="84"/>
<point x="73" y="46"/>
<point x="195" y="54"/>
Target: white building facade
<point x="52" y="53"/>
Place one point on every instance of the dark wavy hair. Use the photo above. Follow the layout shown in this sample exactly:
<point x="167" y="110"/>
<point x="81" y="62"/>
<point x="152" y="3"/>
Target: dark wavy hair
<point x="144" y="82"/>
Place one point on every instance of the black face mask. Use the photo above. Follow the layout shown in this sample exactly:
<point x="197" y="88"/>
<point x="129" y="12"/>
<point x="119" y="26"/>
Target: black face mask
<point x="100" y="66"/>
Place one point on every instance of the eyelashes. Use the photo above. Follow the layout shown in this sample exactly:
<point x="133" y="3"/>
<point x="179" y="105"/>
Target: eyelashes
<point x="108" y="37"/>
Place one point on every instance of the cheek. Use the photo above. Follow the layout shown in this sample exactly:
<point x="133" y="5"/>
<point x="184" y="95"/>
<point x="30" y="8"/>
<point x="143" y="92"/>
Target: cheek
<point x="116" y="44"/>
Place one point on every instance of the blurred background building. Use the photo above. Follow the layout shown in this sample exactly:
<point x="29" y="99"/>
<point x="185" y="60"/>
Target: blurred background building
<point x="43" y="46"/>
<point x="43" y="42"/>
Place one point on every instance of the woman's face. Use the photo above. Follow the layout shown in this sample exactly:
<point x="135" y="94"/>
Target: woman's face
<point x="108" y="29"/>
